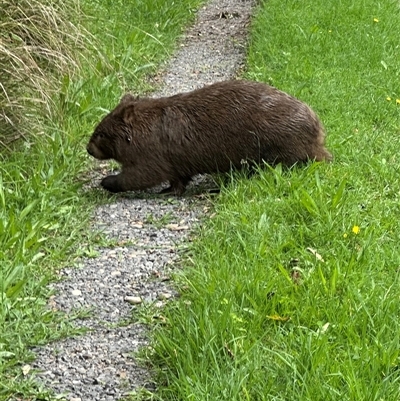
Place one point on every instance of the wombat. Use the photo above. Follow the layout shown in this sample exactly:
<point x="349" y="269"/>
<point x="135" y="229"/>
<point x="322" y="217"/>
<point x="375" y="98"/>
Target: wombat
<point x="213" y="129"/>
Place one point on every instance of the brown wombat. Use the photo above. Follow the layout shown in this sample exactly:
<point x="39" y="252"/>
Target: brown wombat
<point x="212" y="129"/>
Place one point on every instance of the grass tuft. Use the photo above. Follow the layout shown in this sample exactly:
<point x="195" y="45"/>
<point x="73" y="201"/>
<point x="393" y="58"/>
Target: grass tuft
<point x="37" y="42"/>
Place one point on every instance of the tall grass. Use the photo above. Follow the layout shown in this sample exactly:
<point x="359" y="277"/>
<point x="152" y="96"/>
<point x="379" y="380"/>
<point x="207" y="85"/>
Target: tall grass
<point x="38" y="41"/>
<point x="43" y="210"/>
<point x="291" y="291"/>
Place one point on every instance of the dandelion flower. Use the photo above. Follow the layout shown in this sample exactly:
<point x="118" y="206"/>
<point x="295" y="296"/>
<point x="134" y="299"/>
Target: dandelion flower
<point x="345" y="235"/>
<point x="398" y="101"/>
<point x="356" y="230"/>
<point x="376" y="20"/>
<point x="388" y="98"/>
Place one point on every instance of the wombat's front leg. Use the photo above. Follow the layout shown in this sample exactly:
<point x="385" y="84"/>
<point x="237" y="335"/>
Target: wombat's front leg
<point x="130" y="180"/>
<point x="113" y="183"/>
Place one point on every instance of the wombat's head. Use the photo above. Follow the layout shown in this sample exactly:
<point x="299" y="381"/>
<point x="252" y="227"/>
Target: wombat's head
<point x="113" y="135"/>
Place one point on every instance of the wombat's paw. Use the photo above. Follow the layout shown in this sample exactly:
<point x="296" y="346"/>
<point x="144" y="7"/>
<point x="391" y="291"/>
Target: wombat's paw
<point x="110" y="183"/>
<point x="178" y="187"/>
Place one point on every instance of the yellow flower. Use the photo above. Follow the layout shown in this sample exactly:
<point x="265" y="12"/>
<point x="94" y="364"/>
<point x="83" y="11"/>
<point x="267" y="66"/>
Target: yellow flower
<point x="356" y="229"/>
<point x="397" y="101"/>
<point x="376" y="20"/>
<point x="388" y="98"/>
<point x="345" y="235"/>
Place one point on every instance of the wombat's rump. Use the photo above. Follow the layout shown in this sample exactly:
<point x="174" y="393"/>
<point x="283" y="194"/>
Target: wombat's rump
<point x="208" y="130"/>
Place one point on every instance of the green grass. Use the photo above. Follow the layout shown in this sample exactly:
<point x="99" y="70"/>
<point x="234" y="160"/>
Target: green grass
<point x="134" y="39"/>
<point x="44" y="212"/>
<point x="291" y="291"/>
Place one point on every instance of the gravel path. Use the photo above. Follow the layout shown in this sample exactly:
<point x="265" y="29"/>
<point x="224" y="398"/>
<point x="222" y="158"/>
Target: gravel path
<point x="101" y="365"/>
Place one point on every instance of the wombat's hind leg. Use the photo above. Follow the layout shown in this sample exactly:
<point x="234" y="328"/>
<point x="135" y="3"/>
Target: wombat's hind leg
<point x="322" y="155"/>
<point x="319" y="151"/>
<point x="179" y="185"/>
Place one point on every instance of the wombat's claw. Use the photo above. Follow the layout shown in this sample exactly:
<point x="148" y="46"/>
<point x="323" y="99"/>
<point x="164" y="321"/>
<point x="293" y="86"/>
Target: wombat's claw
<point x="173" y="190"/>
<point x="168" y="190"/>
<point x="214" y="190"/>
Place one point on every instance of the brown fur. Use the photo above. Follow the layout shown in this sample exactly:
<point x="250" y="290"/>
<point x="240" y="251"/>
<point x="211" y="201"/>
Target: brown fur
<point x="208" y="130"/>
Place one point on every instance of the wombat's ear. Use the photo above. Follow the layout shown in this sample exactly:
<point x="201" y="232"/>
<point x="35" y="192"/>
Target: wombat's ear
<point x="128" y="113"/>
<point x="127" y="98"/>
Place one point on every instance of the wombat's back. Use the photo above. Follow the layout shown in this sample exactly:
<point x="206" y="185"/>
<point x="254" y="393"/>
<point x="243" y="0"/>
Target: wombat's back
<point x="224" y="124"/>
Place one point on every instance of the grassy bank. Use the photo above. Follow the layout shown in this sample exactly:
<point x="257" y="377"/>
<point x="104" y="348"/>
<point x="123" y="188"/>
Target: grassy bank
<point x="43" y="210"/>
<point x="292" y="288"/>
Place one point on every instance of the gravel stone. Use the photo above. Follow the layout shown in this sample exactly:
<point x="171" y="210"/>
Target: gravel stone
<point x="164" y="295"/>
<point x="149" y="231"/>
<point x="133" y="300"/>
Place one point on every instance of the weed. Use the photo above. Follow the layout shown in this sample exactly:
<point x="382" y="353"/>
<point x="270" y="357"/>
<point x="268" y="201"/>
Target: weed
<point x="161" y="221"/>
